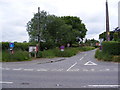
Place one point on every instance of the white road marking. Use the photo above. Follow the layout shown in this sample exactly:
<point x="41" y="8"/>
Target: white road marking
<point x="6" y="82"/>
<point x="7" y="68"/>
<point x="28" y="69"/>
<point x="74" y="70"/>
<point x="42" y="70"/>
<point x="81" y="58"/>
<point x="85" y="70"/>
<point x="90" y="63"/>
<point x="107" y="69"/>
<point x="17" y="69"/>
<point x="92" y="69"/>
<point x="71" y="66"/>
<point x="103" y="85"/>
<point x="57" y="70"/>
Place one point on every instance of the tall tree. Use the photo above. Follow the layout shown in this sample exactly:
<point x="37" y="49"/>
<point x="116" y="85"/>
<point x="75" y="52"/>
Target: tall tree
<point x="78" y="28"/>
<point x="39" y="20"/>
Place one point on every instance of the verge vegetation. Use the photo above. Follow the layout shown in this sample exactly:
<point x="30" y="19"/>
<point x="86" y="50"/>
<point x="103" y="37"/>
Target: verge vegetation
<point x="110" y="52"/>
<point x="22" y="54"/>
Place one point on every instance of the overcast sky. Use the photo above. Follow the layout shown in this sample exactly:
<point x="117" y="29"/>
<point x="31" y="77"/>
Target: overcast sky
<point x="14" y="15"/>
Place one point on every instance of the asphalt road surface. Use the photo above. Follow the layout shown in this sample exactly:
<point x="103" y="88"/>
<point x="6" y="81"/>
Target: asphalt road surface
<point x="80" y="71"/>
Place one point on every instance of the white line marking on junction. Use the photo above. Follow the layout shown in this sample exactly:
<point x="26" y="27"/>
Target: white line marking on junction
<point x="85" y="70"/>
<point x="90" y="63"/>
<point x="7" y="68"/>
<point x="6" y="82"/>
<point x="92" y="69"/>
<point x="74" y="70"/>
<point x="81" y="58"/>
<point x="107" y="69"/>
<point x="42" y="70"/>
<point x="71" y="66"/>
<point x="28" y="69"/>
<point x="17" y="69"/>
<point x="103" y="85"/>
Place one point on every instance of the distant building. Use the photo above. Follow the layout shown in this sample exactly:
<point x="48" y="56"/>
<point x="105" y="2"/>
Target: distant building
<point x="119" y="14"/>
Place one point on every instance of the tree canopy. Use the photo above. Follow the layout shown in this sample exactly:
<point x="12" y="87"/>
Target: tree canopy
<point x="54" y="30"/>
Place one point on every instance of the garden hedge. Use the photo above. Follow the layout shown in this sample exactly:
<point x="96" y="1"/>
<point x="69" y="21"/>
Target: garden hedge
<point x="111" y="47"/>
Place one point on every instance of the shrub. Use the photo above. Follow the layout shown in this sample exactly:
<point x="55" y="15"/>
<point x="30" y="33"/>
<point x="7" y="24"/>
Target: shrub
<point x="68" y="52"/>
<point x="111" y="47"/>
<point x="17" y="56"/>
<point x="106" y="57"/>
<point x="86" y="48"/>
<point x="18" y="46"/>
<point x="47" y="54"/>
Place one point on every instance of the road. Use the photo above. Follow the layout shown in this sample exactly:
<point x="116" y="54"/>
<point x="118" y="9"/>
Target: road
<point x="80" y="71"/>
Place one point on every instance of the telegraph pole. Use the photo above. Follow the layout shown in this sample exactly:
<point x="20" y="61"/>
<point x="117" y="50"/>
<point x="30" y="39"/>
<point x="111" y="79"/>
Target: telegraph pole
<point x="38" y="27"/>
<point x="107" y="23"/>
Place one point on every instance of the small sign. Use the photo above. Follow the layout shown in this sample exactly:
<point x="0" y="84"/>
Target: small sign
<point x="11" y="45"/>
<point x="32" y="49"/>
<point x="62" y="48"/>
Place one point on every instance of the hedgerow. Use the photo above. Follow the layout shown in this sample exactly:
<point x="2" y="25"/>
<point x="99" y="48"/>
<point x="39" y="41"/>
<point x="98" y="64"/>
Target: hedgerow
<point x="112" y="47"/>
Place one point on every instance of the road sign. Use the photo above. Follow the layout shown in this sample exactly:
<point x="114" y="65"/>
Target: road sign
<point x="11" y="45"/>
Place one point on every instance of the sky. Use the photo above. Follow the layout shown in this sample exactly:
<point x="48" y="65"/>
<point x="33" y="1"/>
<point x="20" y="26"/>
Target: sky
<point x="14" y="15"/>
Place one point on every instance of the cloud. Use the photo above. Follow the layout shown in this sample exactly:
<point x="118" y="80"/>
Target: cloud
<point x="16" y="13"/>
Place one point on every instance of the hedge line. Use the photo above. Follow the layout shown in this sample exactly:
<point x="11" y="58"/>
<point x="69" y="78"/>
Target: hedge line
<point x="100" y="55"/>
<point x="112" y="47"/>
<point x="25" y="46"/>
<point x="17" y="56"/>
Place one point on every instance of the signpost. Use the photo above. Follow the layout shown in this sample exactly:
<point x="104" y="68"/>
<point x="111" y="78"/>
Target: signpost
<point x="11" y="45"/>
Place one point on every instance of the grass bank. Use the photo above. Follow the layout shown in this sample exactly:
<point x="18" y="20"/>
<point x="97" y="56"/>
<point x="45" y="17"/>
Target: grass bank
<point x="20" y="55"/>
<point x="68" y="52"/>
<point x="100" y="55"/>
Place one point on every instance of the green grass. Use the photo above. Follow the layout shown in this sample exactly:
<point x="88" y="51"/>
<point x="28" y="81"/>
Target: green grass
<point x="106" y="57"/>
<point x="20" y="55"/>
<point x="68" y="52"/>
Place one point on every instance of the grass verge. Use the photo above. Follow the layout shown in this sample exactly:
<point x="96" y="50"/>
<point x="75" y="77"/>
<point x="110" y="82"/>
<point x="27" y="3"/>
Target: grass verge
<point x="68" y="52"/>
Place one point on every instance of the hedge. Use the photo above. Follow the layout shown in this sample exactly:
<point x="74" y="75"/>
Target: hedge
<point x="106" y="57"/>
<point x="18" y="46"/>
<point x="17" y="56"/>
<point x="111" y="47"/>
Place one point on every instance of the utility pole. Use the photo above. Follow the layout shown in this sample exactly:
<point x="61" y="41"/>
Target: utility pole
<point x="38" y="27"/>
<point x="107" y="23"/>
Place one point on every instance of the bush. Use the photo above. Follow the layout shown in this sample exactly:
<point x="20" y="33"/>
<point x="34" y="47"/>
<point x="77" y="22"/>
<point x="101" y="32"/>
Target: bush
<point x="47" y="54"/>
<point x="18" y="46"/>
<point x="111" y="47"/>
<point x="106" y="57"/>
<point x="86" y="48"/>
<point x="17" y="56"/>
<point x="68" y="52"/>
